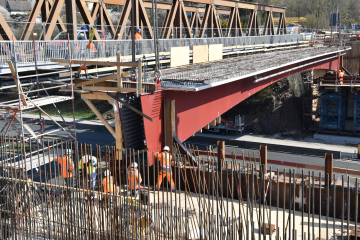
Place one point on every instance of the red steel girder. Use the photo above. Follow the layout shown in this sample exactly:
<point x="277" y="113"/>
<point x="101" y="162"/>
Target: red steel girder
<point x="193" y="110"/>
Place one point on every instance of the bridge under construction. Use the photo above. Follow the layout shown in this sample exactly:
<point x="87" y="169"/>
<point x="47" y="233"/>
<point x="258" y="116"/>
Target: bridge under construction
<point x="163" y="89"/>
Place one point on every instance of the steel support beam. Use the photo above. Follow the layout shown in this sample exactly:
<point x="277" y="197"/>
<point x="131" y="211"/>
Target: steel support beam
<point x="210" y="22"/>
<point x="253" y="25"/>
<point x="282" y="24"/>
<point x="70" y="8"/>
<point x="140" y="16"/>
<point x="234" y="23"/>
<point x="269" y="28"/>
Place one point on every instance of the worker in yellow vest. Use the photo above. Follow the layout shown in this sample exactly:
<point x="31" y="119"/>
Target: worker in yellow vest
<point x="83" y="163"/>
<point x="91" y="172"/>
<point x="165" y="168"/>
<point x="134" y="178"/>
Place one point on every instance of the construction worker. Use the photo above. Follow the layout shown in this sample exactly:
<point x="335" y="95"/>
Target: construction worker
<point x="108" y="182"/>
<point x="82" y="166"/>
<point x="138" y="34"/>
<point x="134" y="178"/>
<point x="165" y="168"/>
<point x="67" y="167"/>
<point x="341" y="77"/>
<point x="137" y="42"/>
<point x="91" y="172"/>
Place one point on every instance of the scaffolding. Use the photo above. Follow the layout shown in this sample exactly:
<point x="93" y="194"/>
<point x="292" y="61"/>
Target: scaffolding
<point x="333" y="111"/>
<point x="310" y="102"/>
<point x="12" y="113"/>
<point x="356" y="112"/>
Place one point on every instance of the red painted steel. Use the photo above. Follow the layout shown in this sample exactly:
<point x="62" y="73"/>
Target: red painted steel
<point x="194" y="110"/>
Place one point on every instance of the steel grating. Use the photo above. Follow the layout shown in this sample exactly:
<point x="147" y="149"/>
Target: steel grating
<point x="219" y="72"/>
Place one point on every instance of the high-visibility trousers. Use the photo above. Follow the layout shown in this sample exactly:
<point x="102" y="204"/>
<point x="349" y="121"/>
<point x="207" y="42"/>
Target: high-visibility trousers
<point x="162" y="174"/>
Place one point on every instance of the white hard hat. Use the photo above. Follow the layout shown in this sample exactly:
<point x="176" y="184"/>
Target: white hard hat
<point x="85" y="158"/>
<point x="166" y="148"/>
<point x="94" y="161"/>
<point x="134" y="165"/>
<point x="107" y="173"/>
<point x="69" y="151"/>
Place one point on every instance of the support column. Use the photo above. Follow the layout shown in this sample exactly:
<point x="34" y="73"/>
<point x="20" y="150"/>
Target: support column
<point x="169" y="123"/>
<point x="328" y="167"/>
<point x="221" y="154"/>
<point x="118" y="132"/>
<point x="71" y="26"/>
<point x="263" y="158"/>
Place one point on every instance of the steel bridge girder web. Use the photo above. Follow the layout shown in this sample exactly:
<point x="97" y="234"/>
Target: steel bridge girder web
<point x="194" y="110"/>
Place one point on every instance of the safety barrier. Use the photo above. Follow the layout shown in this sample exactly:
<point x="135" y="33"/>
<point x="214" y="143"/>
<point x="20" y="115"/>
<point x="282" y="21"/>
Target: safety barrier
<point x="23" y="51"/>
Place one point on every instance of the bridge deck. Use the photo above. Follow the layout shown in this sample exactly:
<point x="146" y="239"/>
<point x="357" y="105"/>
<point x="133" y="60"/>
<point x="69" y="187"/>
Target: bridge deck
<point x="205" y="75"/>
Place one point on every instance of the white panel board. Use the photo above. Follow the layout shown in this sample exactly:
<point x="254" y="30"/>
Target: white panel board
<point x="179" y="56"/>
<point x="200" y="54"/>
<point x="215" y="52"/>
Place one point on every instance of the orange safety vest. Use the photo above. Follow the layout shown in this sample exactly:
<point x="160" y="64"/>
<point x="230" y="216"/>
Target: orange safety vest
<point x="138" y="36"/>
<point x="108" y="180"/>
<point x="164" y="158"/>
<point x="341" y="76"/>
<point x="66" y="166"/>
<point x="134" y="179"/>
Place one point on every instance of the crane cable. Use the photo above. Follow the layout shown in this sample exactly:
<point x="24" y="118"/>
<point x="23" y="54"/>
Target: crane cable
<point x="156" y="40"/>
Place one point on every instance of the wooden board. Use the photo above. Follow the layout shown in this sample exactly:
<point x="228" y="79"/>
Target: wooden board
<point x="97" y="70"/>
<point x="93" y="81"/>
<point x="109" y="89"/>
<point x="13" y="72"/>
<point x="215" y="52"/>
<point x="179" y="56"/>
<point x="200" y="54"/>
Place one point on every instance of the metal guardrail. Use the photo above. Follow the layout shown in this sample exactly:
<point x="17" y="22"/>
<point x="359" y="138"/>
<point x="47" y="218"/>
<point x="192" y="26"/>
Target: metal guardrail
<point x="45" y="50"/>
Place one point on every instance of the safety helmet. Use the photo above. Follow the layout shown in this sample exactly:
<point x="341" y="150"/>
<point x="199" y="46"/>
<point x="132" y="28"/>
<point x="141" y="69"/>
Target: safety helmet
<point x="69" y="151"/>
<point x="134" y="165"/>
<point x="166" y="148"/>
<point x="94" y="161"/>
<point x="138" y="30"/>
<point x="85" y="158"/>
<point x="107" y="173"/>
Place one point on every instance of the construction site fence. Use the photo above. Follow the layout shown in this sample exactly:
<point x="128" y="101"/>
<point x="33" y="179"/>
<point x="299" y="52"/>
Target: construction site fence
<point x="23" y="51"/>
<point x="211" y="198"/>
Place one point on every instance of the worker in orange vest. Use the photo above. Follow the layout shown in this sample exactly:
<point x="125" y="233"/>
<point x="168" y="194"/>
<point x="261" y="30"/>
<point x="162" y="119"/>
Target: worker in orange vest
<point x="109" y="187"/>
<point x="341" y="77"/>
<point x="134" y="178"/>
<point x="108" y="182"/>
<point x="165" y="168"/>
<point x="138" y="34"/>
<point x="67" y="167"/>
<point x="137" y="42"/>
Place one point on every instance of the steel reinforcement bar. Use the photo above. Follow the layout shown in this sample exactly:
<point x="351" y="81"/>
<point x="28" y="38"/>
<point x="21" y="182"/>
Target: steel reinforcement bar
<point x="239" y="200"/>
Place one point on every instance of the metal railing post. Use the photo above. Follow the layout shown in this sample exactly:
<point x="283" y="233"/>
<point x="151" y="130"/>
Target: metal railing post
<point x="44" y="30"/>
<point x="44" y="37"/>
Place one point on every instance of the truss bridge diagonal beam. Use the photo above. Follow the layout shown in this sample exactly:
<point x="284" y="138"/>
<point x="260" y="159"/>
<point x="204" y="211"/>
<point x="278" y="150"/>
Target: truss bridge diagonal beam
<point x="176" y="17"/>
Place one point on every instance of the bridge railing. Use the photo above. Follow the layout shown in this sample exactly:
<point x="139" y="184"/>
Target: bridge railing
<point x="24" y="52"/>
<point x="124" y="32"/>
